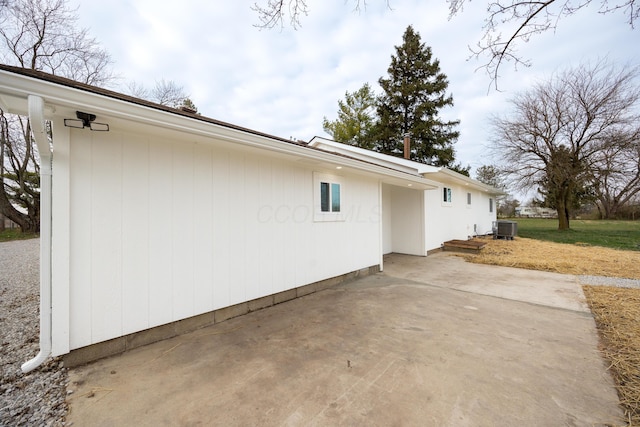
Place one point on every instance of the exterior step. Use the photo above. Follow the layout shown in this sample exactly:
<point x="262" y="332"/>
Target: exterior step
<point x="466" y="246"/>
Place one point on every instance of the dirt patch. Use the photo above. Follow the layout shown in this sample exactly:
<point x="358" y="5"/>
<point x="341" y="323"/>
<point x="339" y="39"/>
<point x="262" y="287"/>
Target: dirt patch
<point x="616" y="310"/>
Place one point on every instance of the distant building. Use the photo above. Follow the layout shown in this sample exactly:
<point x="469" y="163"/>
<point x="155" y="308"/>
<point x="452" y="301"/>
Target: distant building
<point x="535" y="212"/>
<point x="6" y="223"/>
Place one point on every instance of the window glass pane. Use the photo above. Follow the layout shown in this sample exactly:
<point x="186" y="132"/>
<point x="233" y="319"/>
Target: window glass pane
<point x="490" y="205"/>
<point x="468" y="198"/>
<point x="444" y="194"/>
<point x="448" y="195"/>
<point x="335" y="197"/>
<point x="324" y="196"/>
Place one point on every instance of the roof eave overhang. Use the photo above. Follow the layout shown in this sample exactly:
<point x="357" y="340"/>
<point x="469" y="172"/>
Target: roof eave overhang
<point x="360" y="153"/>
<point x="447" y="175"/>
<point x="436" y="175"/>
<point x="59" y="99"/>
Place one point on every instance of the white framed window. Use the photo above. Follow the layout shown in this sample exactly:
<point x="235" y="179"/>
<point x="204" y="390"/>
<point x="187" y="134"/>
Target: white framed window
<point x="328" y="197"/>
<point x="490" y="205"/>
<point x="446" y="195"/>
<point x="468" y="199"/>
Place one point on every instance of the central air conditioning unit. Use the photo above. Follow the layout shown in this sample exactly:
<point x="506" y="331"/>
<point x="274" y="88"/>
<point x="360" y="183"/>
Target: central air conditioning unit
<point x="505" y="229"/>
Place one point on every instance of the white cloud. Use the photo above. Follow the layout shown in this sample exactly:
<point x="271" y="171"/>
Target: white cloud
<point x="284" y="82"/>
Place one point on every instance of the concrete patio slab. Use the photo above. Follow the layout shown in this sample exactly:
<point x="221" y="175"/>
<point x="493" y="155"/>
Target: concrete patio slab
<point x="452" y="271"/>
<point x="383" y="350"/>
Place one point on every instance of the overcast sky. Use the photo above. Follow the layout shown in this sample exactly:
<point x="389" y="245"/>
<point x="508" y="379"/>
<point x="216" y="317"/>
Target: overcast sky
<point x="283" y="82"/>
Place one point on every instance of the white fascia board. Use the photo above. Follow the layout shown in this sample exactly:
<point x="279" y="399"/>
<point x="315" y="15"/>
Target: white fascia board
<point x="359" y="153"/>
<point x="12" y="104"/>
<point x="372" y="156"/>
<point x="61" y="100"/>
<point x="439" y="175"/>
<point x="445" y="175"/>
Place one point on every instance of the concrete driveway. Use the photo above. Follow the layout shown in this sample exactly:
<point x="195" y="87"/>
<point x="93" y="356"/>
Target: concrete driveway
<point x="431" y="341"/>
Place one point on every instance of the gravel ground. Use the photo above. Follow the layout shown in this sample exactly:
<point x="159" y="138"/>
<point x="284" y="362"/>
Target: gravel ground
<point x="609" y="281"/>
<point x="37" y="398"/>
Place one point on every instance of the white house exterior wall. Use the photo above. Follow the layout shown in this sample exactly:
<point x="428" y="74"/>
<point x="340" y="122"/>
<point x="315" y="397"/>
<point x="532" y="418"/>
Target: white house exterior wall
<point x="170" y="215"/>
<point x="456" y="220"/>
<point x="440" y="221"/>
<point x="403" y="220"/>
<point x="164" y="229"/>
<point x="387" y="235"/>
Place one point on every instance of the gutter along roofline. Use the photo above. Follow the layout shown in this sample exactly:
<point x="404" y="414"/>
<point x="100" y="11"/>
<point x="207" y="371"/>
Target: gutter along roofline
<point x="450" y="175"/>
<point x="64" y="97"/>
<point x="410" y="166"/>
<point x="62" y="81"/>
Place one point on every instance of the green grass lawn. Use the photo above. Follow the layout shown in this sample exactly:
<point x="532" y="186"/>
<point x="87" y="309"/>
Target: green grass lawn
<point x="611" y="234"/>
<point x="14" y="234"/>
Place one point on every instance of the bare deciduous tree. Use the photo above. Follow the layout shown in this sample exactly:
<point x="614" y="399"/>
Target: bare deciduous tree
<point x="168" y="93"/>
<point x="558" y="129"/>
<point x="615" y="172"/>
<point x="41" y="35"/>
<point x="19" y="173"/>
<point x="164" y="92"/>
<point x="275" y="12"/>
<point x="529" y="18"/>
<point x="137" y="90"/>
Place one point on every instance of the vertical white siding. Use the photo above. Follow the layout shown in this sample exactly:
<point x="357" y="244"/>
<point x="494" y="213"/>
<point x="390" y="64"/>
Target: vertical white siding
<point x="302" y="237"/>
<point x="407" y="221"/>
<point x="161" y="226"/>
<point x="183" y="207"/>
<point x="80" y="212"/>
<point x="164" y="229"/>
<point x="223" y="213"/>
<point x="284" y="216"/>
<point x="387" y="231"/>
<point x="203" y="225"/>
<point x="61" y="240"/>
<point x="253" y="232"/>
<point x="236" y="240"/>
<point x="483" y="217"/>
<point x="135" y="235"/>
<point x="457" y="219"/>
<point x="443" y="221"/>
<point x="106" y="235"/>
<point x="403" y="220"/>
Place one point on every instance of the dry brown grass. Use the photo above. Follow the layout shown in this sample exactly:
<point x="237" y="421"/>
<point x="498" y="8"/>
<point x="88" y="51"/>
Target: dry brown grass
<point x="560" y="258"/>
<point x="616" y="310"/>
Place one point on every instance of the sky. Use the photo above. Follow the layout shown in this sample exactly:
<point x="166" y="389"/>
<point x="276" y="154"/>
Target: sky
<point x="285" y="81"/>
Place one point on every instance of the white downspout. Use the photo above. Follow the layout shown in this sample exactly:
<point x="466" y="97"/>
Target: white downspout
<point x="36" y="118"/>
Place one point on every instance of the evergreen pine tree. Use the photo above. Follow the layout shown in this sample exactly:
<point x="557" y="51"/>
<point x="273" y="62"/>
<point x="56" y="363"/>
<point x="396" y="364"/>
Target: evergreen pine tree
<point x="356" y="117"/>
<point x="414" y="93"/>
